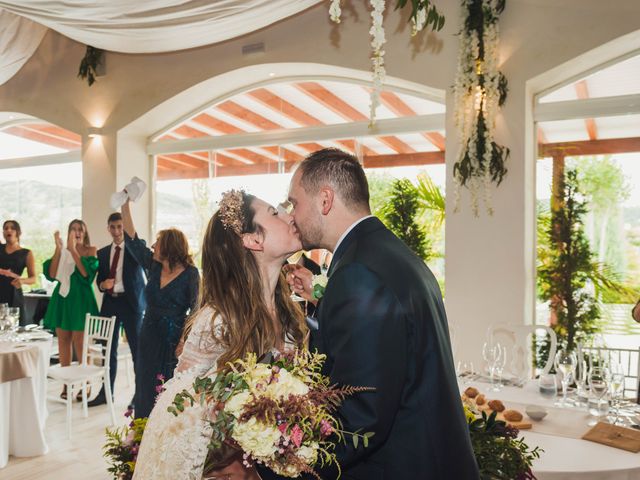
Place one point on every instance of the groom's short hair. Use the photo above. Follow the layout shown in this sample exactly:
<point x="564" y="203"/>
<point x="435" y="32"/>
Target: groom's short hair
<point x="341" y="171"/>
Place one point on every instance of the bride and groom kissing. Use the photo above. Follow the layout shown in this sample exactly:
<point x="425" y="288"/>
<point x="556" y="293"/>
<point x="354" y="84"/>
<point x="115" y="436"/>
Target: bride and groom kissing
<point x="381" y="324"/>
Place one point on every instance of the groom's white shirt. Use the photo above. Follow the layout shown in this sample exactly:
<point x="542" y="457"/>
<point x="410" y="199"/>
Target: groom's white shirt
<point x="346" y="232"/>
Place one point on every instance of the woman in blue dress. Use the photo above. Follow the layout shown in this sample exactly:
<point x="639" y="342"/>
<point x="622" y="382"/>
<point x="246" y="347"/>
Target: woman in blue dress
<point x="171" y="294"/>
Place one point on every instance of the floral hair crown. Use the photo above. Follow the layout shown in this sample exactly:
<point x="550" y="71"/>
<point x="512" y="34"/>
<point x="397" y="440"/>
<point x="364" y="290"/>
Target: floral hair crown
<point x="231" y="210"/>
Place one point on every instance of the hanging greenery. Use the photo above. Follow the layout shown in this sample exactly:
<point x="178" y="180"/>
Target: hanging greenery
<point x="400" y="215"/>
<point x="93" y="57"/>
<point x="564" y="278"/>
<point x="480" y="89"/>
<point x="423" y="14"/>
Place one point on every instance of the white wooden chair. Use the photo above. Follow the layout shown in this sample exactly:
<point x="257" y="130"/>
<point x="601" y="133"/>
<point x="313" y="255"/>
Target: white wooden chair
<point x="517" y="339"/>
<point x="98" y="331"/>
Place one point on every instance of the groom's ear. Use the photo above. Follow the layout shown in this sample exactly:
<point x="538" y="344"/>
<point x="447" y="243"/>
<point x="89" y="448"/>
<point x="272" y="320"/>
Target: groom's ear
<point x="253" y="241"/>
<point x="327" y="196"/>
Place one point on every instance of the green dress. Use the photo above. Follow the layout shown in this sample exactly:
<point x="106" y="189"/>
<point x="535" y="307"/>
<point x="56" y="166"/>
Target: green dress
<point x="68" y="313"/>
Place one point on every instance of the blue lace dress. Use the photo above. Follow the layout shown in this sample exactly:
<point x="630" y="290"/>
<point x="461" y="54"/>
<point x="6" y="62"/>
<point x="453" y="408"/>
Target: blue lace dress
<point x="167" y="309"/>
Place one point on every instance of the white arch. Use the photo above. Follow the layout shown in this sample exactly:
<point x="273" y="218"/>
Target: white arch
<point x="221" y="87"/>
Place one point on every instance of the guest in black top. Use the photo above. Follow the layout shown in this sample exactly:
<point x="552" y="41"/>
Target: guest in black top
<point x="13" y="260"/>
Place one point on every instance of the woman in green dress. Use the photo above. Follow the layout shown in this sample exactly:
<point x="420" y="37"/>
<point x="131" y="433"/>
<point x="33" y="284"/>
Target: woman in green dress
<point x="75" y="268"/>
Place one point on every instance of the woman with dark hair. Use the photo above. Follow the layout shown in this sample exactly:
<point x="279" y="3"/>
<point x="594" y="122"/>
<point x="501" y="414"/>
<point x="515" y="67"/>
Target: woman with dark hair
<point x="13" y="260"/>
<point x="75" y="268"/>
<point x="171" y="293"/>
<point x="245" y="306"/>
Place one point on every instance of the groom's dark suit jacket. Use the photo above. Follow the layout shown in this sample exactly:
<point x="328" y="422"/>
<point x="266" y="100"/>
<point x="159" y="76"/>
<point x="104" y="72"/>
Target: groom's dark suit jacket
<point x="383" y="325"/>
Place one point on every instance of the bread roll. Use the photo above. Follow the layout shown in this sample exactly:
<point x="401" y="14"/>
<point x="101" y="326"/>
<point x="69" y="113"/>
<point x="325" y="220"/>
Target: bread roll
<point x="481" y="400"/>
<point x="496" y="405"/>
<point x="512" y="416"/>
<point x="471" y="392"/>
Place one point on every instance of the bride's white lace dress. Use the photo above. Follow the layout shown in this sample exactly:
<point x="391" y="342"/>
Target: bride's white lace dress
<point x="176" y="447"/>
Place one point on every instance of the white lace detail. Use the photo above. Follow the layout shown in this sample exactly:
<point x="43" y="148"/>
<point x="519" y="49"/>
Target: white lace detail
<point x="176" y="447"/>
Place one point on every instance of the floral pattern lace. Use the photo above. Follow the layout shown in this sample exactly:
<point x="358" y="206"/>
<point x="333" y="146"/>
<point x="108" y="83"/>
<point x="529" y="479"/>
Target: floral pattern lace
<point x="176" y="447"/>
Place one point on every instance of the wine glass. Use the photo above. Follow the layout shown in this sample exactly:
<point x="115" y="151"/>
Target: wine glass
<point x="581" y="375"/>
<point x="490" y="353"/>
<point x="498" y="367"/>
<point x="292" y="260"/>
<point x="616" y="390"/>
<point x="466" y="371"/>
<point x="14" y="313"/>
<point x="547" y="385"/>
<point x="599" y="379"/>
<point x="566" y="362"/>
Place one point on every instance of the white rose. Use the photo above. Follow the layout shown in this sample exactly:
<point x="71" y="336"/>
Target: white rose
<point x="308" y="453"/>
<point x="286" y="385"/>
<point x="236" y="403"/>
<point x="260" y="374"/>
<point x="256" y="438"/>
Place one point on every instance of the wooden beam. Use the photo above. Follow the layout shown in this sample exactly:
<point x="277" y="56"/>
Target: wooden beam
<point x="56" y="132"/>
<point x="394" y="103"/>
<point x="246" y="115"/>
<point x="346" y="111"/>
<point x="40" y="137"/>
<point x="183" y="160"/>
<point x="280" y="105"/>
<point x="400" y="160"/>
<point x="590" y="147"/>
<point x="582" y="91"/>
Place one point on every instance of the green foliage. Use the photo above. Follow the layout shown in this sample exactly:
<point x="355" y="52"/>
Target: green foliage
<point x="498" y="451"/>
<point x="93" y="57"/>
<point x="121" y="449"/>
<point x="481" y="13"/>
<point x="567" y="266"/>
<point x="400" y="215"/>
<point x="433" y="17"/>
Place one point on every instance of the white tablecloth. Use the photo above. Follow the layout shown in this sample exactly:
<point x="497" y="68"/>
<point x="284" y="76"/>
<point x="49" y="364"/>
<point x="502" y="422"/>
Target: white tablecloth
<point x="23" y="411"/>
<point x="566" y="458"/>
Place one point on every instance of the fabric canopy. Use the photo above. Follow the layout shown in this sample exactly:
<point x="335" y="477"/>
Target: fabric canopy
<point x="142" y="26"/>
<point x="19" y="38"/>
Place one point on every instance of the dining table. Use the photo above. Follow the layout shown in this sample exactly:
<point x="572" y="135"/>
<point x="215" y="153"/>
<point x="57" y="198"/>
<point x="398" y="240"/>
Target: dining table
<point x="565" y="456"/>
<point x="24" y="361"/>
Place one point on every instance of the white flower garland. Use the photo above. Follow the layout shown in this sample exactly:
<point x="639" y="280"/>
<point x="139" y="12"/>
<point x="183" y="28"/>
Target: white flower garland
<point x="335" y="11"/>
<point x="477" y="98"/>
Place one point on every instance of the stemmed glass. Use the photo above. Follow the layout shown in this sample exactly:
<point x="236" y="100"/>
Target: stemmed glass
<point x="292" y="260"/>
<point x="491" y="352"/>
<point x="466" y="371"/>
<point x="616" y="389"/>
<point x="566" y="362"/>
<point x="599" y="379"/>
<point x="498" y="368"/>
<point x="581" y="375"/>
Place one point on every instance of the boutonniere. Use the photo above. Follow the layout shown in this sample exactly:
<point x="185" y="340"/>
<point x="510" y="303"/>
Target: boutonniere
<point x="318" y="285"/>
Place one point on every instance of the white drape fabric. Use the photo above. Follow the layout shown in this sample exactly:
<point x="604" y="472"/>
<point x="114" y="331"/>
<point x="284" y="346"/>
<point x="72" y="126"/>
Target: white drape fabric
<point x="142" y="26"/>
<point x="19" y="38"/>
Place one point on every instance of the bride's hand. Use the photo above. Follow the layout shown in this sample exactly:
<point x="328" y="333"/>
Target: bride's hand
<point x="234" y="471"/>
<point x="300" y="281"/>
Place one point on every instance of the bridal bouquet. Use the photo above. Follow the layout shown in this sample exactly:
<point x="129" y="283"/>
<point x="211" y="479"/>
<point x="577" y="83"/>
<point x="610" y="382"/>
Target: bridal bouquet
<point x="278" y="414"/>
<point x="122" y="446"/>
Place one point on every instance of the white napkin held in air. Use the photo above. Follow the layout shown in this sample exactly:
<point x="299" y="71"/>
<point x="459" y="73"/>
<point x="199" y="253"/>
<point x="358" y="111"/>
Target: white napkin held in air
<point x="133" y="191"/>
<point x="65" y="268"/>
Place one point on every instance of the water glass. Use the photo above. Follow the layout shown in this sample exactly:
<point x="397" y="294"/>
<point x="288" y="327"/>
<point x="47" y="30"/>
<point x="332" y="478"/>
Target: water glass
<point x="599" y="380"/>
<point x="547" y="385"/>
<point x="490" y="353"/>
<point x="498" y="368"/>
<point x="14" y="315"/>
<point x="466" y="371"/>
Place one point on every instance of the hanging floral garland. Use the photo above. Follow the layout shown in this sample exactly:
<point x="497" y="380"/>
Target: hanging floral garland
<point x="480" y="89"/>
<point x="423" y="14"/>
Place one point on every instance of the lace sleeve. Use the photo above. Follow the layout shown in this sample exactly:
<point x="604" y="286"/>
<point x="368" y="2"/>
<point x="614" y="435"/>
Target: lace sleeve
<point x="201" y="350"/>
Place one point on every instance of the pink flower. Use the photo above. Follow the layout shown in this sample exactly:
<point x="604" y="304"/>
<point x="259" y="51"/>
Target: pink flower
<point x="325" y="428"/>
<point x="130" y="437"/>
<point x="283" y="428"/>
<point x="296" y="435"/>
<point x="128" y="413"/>
<point x="159" y="389"/>
<point x="160" y="377"/>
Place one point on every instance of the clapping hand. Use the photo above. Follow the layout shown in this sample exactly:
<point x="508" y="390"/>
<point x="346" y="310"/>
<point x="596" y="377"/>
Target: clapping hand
<point x="58" y="240"/>
<point x="71" y="241"/>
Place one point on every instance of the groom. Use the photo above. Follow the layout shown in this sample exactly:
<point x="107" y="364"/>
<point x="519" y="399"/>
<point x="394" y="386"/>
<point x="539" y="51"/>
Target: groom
<point x="382" y="324"/>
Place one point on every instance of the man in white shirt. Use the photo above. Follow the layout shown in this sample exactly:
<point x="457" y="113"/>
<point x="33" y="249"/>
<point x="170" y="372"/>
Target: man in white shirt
<point x="122" y="281"/>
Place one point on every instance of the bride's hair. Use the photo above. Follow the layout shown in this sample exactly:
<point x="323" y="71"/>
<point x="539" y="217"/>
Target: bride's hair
<point x="232" y="287"/>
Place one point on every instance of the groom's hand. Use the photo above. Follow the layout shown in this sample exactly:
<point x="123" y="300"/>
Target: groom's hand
<point x="300" y="281"/>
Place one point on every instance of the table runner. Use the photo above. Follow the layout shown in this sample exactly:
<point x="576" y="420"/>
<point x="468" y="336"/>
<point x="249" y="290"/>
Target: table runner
<point x="17" y="361"/>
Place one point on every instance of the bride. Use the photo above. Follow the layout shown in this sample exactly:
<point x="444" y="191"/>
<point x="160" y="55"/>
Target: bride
<point x="244" y="307"/>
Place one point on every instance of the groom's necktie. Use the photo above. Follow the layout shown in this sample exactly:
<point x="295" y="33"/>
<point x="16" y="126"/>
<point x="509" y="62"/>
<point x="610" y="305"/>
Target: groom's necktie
<point x="114" y="267"/>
